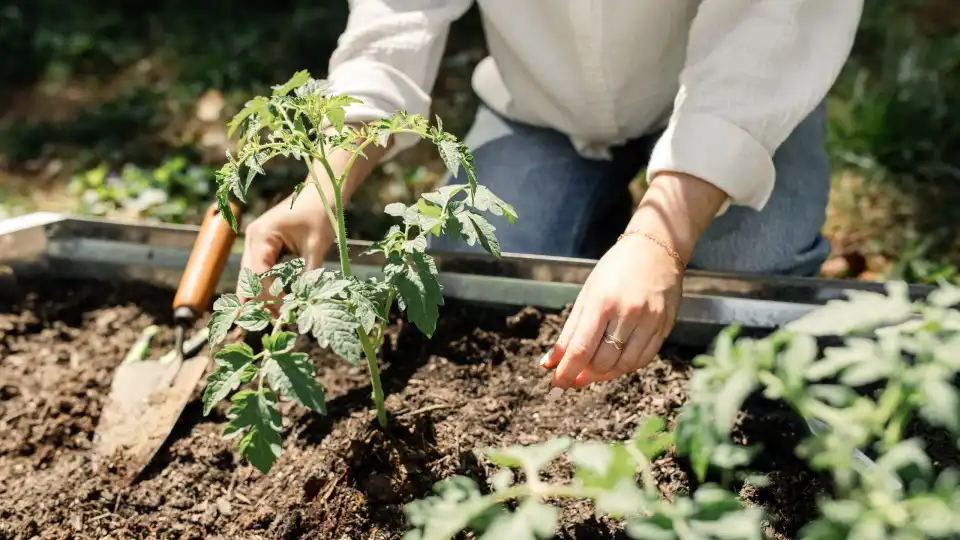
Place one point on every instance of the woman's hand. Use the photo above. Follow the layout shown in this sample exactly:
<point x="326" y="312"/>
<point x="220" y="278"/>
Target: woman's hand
<point x="629" y="303"/>
<point x="621" y="317"/>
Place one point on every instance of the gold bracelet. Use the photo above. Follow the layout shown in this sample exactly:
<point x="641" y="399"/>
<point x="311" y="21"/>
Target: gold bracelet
<point x="672" y="252"/>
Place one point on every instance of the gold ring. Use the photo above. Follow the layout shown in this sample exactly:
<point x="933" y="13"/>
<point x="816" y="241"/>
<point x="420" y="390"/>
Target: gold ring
<point x="613" y="341"/>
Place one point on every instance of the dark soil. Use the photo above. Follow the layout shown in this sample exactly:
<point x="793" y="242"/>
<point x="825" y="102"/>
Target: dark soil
<point x="475" y="385"/>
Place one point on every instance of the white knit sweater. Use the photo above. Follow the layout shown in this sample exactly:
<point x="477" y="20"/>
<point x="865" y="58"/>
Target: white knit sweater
<point x="730" y="79"/>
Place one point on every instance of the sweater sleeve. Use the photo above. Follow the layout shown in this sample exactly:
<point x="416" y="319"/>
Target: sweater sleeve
<point x="754" y="70"/>
<point x="389" y="56"/>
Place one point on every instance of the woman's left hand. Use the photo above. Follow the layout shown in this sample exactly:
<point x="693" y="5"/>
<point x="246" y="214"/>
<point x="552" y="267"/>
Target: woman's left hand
<point x="621" y="317"/>
<point x="629" y="304"/>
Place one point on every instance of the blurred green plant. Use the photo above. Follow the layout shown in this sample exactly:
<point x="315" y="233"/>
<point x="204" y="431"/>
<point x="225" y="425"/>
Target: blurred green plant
<point x="174" y="192"/>
<point x="895" y="110"/>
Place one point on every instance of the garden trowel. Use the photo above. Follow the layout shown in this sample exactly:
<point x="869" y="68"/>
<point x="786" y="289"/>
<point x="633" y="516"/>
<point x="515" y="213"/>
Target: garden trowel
<point x="147" y="397"/>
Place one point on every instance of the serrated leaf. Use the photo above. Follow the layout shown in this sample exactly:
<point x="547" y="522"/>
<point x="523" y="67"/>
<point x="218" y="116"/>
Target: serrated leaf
<point x="418" y="291"/>
<point x="276" y="288"/>
<point x="475" y="229"/>
<point x="285" y="272"/>
<point x="415" y="244"/>
<point x="249" y="285"/>
<point x="533" y="520"/>
<point x="533" y="458"/>
<point x="485" y="201"/>
<point x="298" y="79"/>
<point x="225" y="311"/>
<point x="253" y="317"/>
<point x="333" y="325"/>
<point x="293" y="376"/>
<point x="224" y="208"/>
<point x="313" y="87"/>
<point x="254" y="106"/>
<point x="296" y="193"/>
<point x="235" y="366"/>
<point x="450" y="154"/>
<point x="366" y="311"/>
<point x="281" y="342"/>
<point x="254" y="416"/>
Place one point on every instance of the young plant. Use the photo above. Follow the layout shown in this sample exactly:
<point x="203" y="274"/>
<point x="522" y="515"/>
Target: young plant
<point x="603" y="472"/>
<point x="900" y="361"/>
<point x="301" y="119"/>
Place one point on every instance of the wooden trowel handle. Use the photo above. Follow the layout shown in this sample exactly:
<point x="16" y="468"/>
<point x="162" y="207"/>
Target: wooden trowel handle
<point x="209" y="256"/>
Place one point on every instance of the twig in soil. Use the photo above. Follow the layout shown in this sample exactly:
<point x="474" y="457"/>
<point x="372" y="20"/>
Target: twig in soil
<point x="329" y="491"/>
<point x="101" y="516"/>
<point x="424" y="410"/>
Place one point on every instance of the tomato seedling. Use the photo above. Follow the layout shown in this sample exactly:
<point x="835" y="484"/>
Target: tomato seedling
<point x="302" y="120"/>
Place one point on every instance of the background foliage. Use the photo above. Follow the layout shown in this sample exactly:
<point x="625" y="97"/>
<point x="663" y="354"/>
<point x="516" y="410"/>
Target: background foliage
<point x="118" y="108"/>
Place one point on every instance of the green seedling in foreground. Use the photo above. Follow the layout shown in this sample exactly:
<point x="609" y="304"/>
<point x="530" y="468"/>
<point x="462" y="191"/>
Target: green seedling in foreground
<point x="899" y="364"/>
<point x="302" y="120"/>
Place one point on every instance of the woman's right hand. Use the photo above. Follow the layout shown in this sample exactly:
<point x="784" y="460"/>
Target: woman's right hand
<point x="304" y="230"/>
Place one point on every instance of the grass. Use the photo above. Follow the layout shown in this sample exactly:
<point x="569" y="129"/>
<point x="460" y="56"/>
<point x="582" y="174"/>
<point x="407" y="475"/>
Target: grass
<point x="109" y="102"/>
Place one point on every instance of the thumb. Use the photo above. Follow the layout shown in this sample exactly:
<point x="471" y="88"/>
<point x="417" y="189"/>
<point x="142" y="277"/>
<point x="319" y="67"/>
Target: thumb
<point x="260" y="253"/>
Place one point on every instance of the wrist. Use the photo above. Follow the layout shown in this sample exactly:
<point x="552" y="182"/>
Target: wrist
<point x="677" y="209"/>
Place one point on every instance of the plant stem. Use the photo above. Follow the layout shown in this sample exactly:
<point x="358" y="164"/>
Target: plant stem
<point x="342" y="233"/>
<point x="378" y="398"/>
<point x="323" y="196"/>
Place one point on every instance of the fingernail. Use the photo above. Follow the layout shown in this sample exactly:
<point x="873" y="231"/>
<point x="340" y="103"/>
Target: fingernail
<point x="544" y="360"/>
<point x="554" y="394"/>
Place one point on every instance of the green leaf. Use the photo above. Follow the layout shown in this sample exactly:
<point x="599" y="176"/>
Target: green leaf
<point x="299" y="78"/>
<point x="313" y="87"/>
<point x="622" y="499"/>
<point x="941" y="404"/>
<point x="337" y="117"/>
<point x="333" y="325"/>
<point x="651" y="439"/>
<point x="862" y="311"/>
<point x="419" y="292"/>
<point x="296" y="193"/>
<point x="256" y="105"/>
<point x="449" y="150"/>
<point x="235" y="366"/>
<point x="253" y="317"/>
<point x="533" y="458"/>
<point x="254" y="416"/>
<point x="601" y="464"/>
<point x="533" y="520"/>
<point x="249" y="285"/>
<point x="458" y="504"/>
<point x="224" y="208"/>
<point x="730" y="398"/>
<point x="396" y="209"/>
<point x="946" y="295"/>
<point x="225" y="311"/>
<point x="293" y="376"/>
<point x="655" y="527"/>
<point x="365" y="310"/>
<point x="485" y="201"/>
<point x="286" y="271"/>
<point x="281" y="342"/>
<point x="475" y="228"/>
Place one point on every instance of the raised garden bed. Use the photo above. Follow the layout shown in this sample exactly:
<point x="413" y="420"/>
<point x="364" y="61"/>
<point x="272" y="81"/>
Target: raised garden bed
<point x="475" y="385"/>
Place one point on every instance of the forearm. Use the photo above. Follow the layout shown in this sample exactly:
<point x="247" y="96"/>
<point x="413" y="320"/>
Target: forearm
<point x="677" y="209"/>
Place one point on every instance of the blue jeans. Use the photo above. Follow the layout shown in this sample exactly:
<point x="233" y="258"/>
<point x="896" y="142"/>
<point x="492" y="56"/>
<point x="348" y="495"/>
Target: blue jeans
<point x="572" y="206"/>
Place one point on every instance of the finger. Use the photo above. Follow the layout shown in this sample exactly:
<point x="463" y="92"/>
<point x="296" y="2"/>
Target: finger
<point x="552" y="359"/>
<point x="641" y="360"/>
<point x="608" y="353"/>
<point x="634" y="347"/>
<point x="582" y="347"/>
<point x="260" y="252"/>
